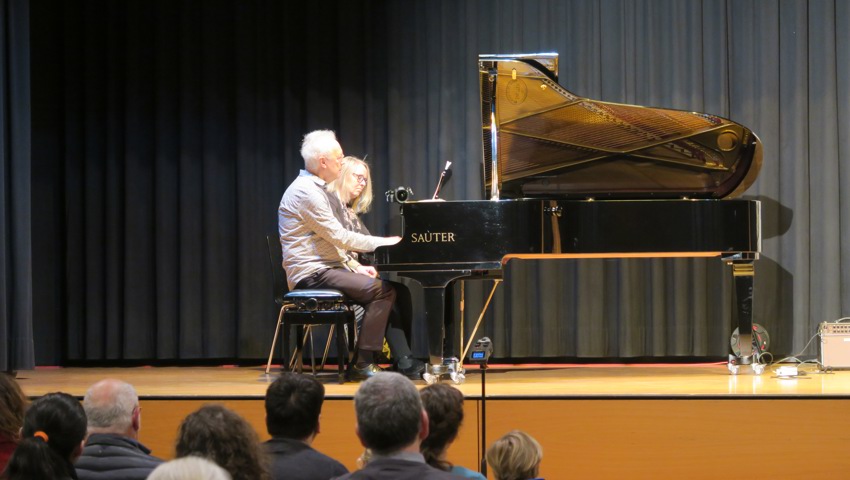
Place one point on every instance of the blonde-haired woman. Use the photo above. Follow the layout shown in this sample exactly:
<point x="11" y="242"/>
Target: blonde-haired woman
<point x="515" y="456"/>
<point x="353" y="188"/>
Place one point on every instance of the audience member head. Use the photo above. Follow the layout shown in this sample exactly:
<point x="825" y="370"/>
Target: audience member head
<point x="221" y="435"/>
<point x="189" y="468"/>
<point x="52" y="439"/>
<point x="112" y="406"/>
<point x="13" y="404"/>
<point x="322" y="154"/>
<point x="293" y="405"/>
<point x="444" y="405"/>
<point x="515" y="456"/>
<point x="390" y="417"/>
<point x="354" y="185"/>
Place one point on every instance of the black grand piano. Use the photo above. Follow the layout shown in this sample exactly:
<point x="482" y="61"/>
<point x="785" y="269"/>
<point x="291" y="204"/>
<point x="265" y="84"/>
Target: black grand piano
<point x="571" y="177"/>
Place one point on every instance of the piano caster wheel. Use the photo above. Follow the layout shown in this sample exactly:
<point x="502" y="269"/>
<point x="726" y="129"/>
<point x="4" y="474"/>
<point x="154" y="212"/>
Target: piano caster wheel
<point x="739" y="365"/>
<point x="448" y="367"/>
<point x="457" y="377"/>
<point x="430" y="379"/>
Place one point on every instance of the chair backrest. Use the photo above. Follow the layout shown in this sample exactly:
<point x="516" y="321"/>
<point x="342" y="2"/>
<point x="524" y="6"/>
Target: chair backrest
<point x="278" y="273"/>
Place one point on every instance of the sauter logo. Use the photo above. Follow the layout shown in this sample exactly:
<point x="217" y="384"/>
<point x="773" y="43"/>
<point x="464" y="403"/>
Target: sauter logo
<point x="432" y="237"/>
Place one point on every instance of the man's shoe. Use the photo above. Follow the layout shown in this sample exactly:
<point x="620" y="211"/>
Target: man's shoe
<point x="410" y="367"/>
<point x="364" y="372"/>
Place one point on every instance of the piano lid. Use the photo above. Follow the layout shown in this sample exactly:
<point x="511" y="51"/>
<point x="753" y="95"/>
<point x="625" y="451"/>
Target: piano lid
<point x="543" y="141"/>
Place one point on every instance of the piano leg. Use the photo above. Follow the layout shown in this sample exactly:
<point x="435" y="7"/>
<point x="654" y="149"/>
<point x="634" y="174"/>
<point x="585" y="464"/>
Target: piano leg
<point x="435" y="312"/>
<point x="434" y="288"/>
<point x="743" y="274"/>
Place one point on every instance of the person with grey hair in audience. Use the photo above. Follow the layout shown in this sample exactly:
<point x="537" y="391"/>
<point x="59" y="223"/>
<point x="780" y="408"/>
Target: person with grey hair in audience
<point x="293" y="406"/>
<point x="392" y="424"/>
<point x="189" y="468"/>
<point x="113" y="450"/>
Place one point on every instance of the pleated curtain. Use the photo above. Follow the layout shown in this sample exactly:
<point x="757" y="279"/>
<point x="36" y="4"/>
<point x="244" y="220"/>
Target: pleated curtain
<point x="165" y="132"/>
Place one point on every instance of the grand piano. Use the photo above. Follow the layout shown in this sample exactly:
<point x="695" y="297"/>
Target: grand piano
<point x="571" y="177"/>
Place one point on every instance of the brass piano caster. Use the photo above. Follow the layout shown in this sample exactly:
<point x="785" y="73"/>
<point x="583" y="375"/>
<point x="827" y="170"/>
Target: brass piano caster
<point x="744" y="365"/>
<point x="740" y="364"/>
<point x="449" y="367"/>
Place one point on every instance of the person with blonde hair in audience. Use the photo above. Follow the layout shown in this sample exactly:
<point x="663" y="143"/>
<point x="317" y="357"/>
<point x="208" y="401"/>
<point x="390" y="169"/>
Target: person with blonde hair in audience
<point x="515" y="456"/>
<point x="52" y="438"/>
<point x="223" y="436"/>
<point x="189" y="468"/>
<point x="444" y="405"/>
<point x="13" y="405"/>
<point x="113" y="450"/>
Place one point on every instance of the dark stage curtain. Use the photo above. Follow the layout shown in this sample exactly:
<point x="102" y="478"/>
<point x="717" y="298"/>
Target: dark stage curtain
<point x="164" y="133"/>
<point x="16" y="266"/>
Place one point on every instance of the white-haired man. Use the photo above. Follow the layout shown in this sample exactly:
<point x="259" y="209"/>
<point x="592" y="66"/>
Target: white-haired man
<point x="313" y="242"/>
<point x="113" y="450"/>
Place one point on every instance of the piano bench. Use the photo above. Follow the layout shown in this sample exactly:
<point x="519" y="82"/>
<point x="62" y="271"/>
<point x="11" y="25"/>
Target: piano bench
<point x="309" y="308"/>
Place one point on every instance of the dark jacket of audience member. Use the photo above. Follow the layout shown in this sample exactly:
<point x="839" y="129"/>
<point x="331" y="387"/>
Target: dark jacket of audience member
<point x="294" y="459"/>
<point x="293" y="405"/>
<point x="391" y="423"/>
<point x="108" y="456"/>
<point x="113" y="450"/>
<point x="51" y="440"/>
<point x="221" y="435"/>
<point x="13" y="404"/>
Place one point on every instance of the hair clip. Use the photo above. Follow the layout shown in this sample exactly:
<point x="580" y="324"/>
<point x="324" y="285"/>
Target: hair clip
<point x="41" y="435"/>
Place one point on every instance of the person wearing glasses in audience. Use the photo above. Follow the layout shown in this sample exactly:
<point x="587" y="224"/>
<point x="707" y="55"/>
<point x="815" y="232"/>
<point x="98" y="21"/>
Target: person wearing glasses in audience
<point x="353" y="189"/>
<point x="313" y="242"/>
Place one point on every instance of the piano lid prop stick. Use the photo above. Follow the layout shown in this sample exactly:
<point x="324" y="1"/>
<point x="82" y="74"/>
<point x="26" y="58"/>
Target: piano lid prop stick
<point x="444" y="177"/>
<point x="494" y="145"/>
<point x="496" y="283"/>
<point x="462" y="308"/>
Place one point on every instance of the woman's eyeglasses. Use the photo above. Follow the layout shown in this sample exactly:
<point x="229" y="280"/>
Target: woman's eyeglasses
<point x="360" y="178"/>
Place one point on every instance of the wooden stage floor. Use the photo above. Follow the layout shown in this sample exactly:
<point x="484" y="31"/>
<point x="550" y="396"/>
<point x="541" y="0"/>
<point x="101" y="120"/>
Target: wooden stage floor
<point x="502" y="381"/>
<point x="600" y="421"/>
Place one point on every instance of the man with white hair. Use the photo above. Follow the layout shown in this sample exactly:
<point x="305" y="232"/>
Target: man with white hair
<point x="392" y="423"/>
<point x="313" y="242"/>
<point x="113" y="450"/>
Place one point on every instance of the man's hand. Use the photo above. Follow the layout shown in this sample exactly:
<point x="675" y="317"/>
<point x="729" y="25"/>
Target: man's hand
<point x="367" y="270"/>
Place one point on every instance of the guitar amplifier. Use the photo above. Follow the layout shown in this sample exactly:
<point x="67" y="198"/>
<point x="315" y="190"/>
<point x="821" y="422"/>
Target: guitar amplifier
<point x="834" y="345"/>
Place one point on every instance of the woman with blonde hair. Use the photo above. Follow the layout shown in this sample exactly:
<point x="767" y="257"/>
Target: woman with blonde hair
<point x="515" y="456"/>
<point x="353" y="188"/>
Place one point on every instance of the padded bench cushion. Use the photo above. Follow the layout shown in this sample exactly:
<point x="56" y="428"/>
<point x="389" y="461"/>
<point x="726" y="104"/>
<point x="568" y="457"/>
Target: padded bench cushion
<point x="322" y="295"/>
